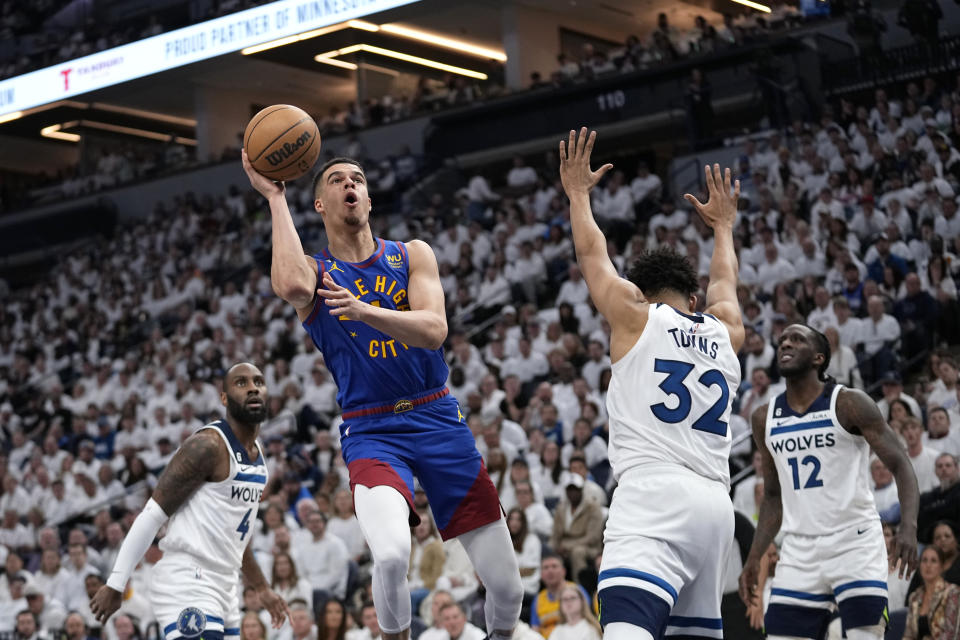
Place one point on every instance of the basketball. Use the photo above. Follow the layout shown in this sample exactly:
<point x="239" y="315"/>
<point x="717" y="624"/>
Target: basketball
<point x="282" y="142"/>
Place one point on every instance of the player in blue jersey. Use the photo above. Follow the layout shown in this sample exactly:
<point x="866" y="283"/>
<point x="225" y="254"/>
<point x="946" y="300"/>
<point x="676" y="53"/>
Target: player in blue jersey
<point x="375" y="309"/>
<point x="815" y="440"/>
<point x="210" y="492"/>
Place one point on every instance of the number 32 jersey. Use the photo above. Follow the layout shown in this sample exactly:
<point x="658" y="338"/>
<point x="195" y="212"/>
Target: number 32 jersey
<point x="822" y="467"/>
<point x="670" y="396"/>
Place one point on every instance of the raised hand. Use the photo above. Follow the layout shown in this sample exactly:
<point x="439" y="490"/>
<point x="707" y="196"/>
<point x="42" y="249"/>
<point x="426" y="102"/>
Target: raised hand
<point x="267" y="187"/>
<point x="575" y="173"/>
<point x="720" y="208"/>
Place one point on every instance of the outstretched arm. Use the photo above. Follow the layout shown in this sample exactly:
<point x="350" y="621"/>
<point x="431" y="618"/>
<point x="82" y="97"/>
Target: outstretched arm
<point x="720" y="214"/>
<point x="193" y="464"/>
<point x="253" y="576"/>
<point x="424" y="325"/>
<point x="857" y="412"/>
<point x="771" y="511"/>
<point x="292" y="274"/>
<point x="613" y="296"/>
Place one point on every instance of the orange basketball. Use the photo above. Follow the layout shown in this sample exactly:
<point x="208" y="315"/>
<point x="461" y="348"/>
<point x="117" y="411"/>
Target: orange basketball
<point x="282" y="142"/>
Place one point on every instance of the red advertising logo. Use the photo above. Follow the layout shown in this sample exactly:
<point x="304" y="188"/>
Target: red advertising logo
<point x="66" y="78"/>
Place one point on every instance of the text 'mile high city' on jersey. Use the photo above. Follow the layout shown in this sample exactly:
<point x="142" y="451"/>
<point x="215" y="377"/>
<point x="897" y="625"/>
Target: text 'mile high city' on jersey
<point x="214" y="524"/>
<point x="823" y="468"/>
<point x="670" y="396"/>
<point x="369" y="366"/>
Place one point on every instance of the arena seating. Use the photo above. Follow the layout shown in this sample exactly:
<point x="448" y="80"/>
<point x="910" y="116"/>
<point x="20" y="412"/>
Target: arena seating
<point x="849" y="223"/>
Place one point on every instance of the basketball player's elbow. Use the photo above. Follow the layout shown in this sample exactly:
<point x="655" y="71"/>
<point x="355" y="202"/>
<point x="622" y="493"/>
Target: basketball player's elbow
<point x="436" y="331"/>
<point x="299" y="294"/>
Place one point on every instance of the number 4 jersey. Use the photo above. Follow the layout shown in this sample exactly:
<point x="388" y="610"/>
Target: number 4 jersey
<point x="669" y="397"/>
<point x="823" y="468"/>
<point x="214" y="524"/>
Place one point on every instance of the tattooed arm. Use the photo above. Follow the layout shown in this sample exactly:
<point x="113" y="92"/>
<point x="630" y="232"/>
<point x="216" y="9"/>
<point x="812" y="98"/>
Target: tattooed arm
<point x="202" y="457"/>
<point x="858" y="414"/>
<point x="771" y="511"/>
<point x="193" y="464"/>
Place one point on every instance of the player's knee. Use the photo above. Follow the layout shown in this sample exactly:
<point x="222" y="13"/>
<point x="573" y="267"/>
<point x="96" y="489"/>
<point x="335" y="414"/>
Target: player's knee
<point x="393" y="565"/>
<point x="874" y="632"/>
<point x="625" y="631"/>
<point x="507" y="588"/>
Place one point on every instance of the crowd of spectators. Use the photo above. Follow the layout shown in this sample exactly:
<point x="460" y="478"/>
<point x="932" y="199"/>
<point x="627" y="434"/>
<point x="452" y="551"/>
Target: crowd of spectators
<point x="126" y="162"/>
<point x="848" y="223"/>
<point x="668" y="43"/>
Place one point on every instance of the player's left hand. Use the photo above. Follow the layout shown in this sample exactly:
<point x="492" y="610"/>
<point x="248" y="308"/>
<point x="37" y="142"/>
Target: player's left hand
<point x="905" y="550"/>
<point x="575" y="173"/>
<point x="721" y="206"/>
<point x="340" y="301"/>
<point x="276" y="605"/>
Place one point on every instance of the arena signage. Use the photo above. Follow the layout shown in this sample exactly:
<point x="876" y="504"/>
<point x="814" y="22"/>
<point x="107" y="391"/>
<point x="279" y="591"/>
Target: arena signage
<point x="181" y="47"/>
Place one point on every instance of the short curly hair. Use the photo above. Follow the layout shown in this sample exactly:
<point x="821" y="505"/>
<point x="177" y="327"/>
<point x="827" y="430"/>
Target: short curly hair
<point x="663" y="269"/>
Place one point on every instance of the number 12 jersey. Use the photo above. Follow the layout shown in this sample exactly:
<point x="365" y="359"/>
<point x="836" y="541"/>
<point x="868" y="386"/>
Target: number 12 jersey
<point x="822" y="467"/>
<point x="670" y="396"/>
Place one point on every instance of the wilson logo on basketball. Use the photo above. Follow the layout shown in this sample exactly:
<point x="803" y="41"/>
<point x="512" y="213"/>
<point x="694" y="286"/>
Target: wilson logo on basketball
<point x="288" y="149"/>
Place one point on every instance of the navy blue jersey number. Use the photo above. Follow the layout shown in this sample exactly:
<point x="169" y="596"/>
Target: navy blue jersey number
<point x="244" y="525"/>
<point x="813" y="481"/>
<point x="673" y="385"/>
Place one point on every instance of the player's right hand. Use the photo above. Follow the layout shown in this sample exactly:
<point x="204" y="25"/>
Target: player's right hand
<point x="721" y="206"/>
<point x="267" y="187"/>
<point x="105" y="603"/>
<point x="748" y="582"/>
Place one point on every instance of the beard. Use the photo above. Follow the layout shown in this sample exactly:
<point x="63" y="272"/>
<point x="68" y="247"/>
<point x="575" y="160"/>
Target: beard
<point x="244" y="415"/>
<point x="795" y="368"/>
<point x="352" y="220"/>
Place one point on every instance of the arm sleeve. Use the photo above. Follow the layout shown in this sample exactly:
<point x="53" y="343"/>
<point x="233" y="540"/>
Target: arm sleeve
<point x="138" y="540"/>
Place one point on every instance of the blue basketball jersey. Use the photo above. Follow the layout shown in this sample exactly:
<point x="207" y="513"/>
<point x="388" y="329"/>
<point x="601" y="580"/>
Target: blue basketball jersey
<point x="369" y="366"/>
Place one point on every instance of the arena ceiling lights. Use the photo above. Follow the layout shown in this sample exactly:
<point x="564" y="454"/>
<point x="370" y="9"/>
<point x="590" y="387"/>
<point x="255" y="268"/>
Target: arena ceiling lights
<point x="754" y="5"/>
<point x="57" y="131"/>
<point x="396" y="30"/>
<point x="330" y="58"/>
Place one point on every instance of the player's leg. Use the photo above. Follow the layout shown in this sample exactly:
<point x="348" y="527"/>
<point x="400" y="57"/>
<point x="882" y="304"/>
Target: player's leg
<point x="801" y="603"/>
<point x="383" y="516"/>
<point x="490" y="549"/>
<point x="188" y="600"/>
<point x="641" y="571"/>
<point x="465" y="505"/>
<point x="706" y="552"/>
<point x="859" y="580"/>
<point x="382" y="484"/>
<point x="232" y="615"/>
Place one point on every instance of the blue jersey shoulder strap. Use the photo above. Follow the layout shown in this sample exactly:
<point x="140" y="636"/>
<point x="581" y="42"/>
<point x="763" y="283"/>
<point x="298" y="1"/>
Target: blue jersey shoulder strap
<point x="238" y="448"/>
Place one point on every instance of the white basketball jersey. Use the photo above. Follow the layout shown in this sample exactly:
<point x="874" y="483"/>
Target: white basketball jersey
<point x="670" y="395"/>
<point x="823" y="468"/>
<point x="215" y="524"/>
